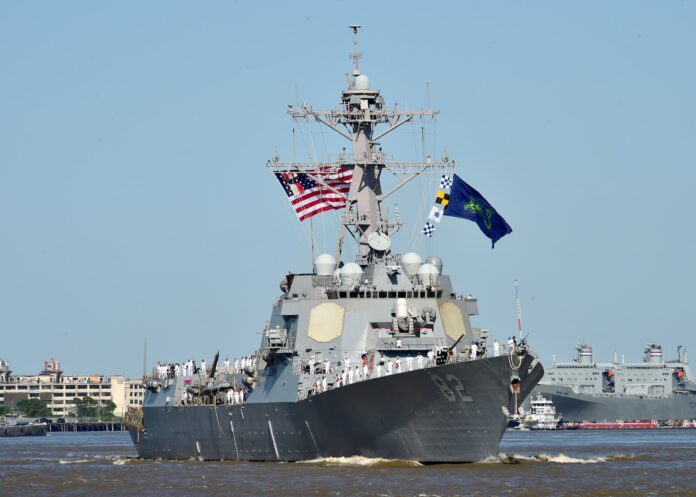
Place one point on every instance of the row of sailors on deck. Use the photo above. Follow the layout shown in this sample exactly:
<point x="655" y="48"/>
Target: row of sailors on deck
<point x="368" y="369"/>
<point x="238" y="365"/>
<point x="232" y="397"/>
<point x="189" y="368"/>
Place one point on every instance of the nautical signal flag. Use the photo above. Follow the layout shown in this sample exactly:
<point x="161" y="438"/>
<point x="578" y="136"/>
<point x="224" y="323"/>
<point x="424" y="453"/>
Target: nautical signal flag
<point x="445" y="182"/>
<point x="442" y="197"/>
<point x="428" y="229"/>
<point x="467" y="203"/>
<point x="435" y="214"/>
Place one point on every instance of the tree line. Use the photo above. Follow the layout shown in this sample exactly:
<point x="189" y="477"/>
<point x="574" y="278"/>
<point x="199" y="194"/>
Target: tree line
<point x="85" y="407"/>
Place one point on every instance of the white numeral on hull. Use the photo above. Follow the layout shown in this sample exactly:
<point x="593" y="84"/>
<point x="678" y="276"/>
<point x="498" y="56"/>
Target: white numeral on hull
<point x="449" y="387"/>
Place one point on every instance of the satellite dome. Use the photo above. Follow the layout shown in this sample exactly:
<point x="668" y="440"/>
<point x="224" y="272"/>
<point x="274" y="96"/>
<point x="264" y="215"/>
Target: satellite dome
<point x="325" y="264"/>
<point x="411" y="262"/>
<point x="435" y="261"/>
<point x="428" y="275"/>
<point x="362" y="82"/>
<point x="351" y="274"/>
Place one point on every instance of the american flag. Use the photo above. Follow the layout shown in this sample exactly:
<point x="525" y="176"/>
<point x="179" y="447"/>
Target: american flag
<point x="309" y="197"/>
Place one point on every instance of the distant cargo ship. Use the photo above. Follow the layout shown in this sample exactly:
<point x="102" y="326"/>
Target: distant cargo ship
<point x="584" y="390"/>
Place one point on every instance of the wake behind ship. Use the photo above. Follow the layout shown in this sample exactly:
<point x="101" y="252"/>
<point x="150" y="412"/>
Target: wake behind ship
<point x="374" y="357"/>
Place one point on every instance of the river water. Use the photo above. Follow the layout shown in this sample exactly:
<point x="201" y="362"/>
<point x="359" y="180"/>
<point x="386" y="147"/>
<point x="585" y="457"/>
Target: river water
<point x="563" y="463"/>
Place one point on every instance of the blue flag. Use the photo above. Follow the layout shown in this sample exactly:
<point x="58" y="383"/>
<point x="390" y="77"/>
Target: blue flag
<point x="466" y="202"/>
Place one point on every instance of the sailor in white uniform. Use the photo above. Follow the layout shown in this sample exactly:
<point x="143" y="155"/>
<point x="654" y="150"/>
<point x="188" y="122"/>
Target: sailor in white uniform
<point x="474" y="350"/>
<point x="496" y="348"/>
<point x="409" y="362"/>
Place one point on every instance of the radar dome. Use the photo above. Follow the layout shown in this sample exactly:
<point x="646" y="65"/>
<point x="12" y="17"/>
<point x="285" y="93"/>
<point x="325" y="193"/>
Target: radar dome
<point x="325" y="264"/>
<point x="362" y="82"/>
<point x="435" y="261"/>
<point x="351" y="274"/>
<point x="411" y="262"/>
<point x="428" y="275"/>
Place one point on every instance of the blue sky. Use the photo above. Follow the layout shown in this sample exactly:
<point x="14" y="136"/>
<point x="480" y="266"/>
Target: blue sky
<point x="134" y="201"/>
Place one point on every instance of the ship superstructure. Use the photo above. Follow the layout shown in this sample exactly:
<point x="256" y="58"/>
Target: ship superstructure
<point x="585" y="390"/>
<point x="373" y="356"/>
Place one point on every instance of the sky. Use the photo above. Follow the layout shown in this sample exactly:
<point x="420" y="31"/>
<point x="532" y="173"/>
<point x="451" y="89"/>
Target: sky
<point x="135" y="203"/>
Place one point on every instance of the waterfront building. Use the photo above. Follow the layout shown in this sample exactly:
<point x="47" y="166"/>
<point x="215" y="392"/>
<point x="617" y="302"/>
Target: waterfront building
<point x="59" y="390"/>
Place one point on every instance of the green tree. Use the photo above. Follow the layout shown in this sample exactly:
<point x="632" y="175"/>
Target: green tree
<point x="34" y="408"/>
<point x="86" y="407"/>
<point x="3" y="410"/>
<point x="106" y="410"/>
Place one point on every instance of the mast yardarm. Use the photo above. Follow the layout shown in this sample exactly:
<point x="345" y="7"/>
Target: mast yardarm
<point x="362" y="111"/>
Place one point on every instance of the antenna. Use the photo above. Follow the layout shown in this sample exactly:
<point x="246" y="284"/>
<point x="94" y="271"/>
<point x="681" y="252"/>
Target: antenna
<point x="145" y="357"/>
<point x="356" y="55"/>
<point x="427" y="93"/>
<point x="518" y="309"/>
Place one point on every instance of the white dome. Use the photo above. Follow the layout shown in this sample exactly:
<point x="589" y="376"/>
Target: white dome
<point x="362" y="82"/>
<point x="325" y="264"/>
<point x="351" y="274"/>
<point x="428" y="275"/>
<point x="435" y="261"/>
<point x="411" y="262"/>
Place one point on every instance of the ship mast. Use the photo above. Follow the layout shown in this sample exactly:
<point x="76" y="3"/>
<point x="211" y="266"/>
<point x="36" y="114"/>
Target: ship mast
<point x="363" y="110"/>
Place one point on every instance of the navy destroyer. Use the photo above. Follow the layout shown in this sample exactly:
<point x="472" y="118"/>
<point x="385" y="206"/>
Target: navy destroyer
<point x="371" y="357"/>
<point x="654" y="389"/>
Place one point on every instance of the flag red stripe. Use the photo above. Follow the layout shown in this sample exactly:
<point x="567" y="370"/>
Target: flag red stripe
<point x="312" y="201"/>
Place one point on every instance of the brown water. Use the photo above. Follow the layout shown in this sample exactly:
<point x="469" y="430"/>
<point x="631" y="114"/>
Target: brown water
<point x="599" y="463"/>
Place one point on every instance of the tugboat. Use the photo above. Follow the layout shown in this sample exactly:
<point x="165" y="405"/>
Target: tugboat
<point x="543" y="415"/>
<point x="372" y="357"/>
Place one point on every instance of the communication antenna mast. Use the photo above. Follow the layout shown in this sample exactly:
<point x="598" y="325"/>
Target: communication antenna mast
<point x="363" y="120"/>
<point x="518" y="310"/>
<point x="356" y="55"/>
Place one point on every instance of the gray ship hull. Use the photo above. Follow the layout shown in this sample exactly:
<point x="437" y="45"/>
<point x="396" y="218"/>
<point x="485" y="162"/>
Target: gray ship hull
<point x="448" y="413"/>
<point x="582" y="407"/>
